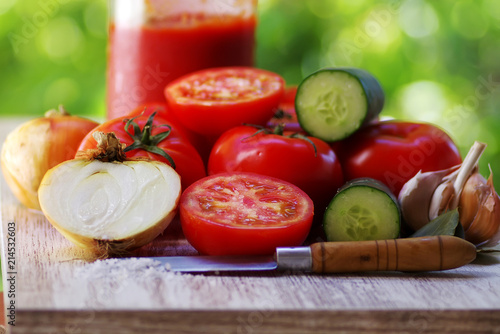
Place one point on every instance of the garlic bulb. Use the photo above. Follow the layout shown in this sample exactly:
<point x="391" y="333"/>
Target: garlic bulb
<point x="428" y="195"/>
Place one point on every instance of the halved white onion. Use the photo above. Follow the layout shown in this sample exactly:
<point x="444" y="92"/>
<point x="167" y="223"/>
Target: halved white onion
<point x="110" y="207"/>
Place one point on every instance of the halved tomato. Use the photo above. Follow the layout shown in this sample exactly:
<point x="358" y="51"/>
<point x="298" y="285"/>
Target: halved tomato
<point x="214" y="100"/>
<point x="244" y="214"/>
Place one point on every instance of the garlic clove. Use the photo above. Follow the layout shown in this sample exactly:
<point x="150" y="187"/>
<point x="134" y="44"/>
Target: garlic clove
<point x="468" y="167"/>
<point x="415" y="197"/>
<point x="484" y="230"/>
<point x="442" y="197"/>
<point x="470" y="198"/>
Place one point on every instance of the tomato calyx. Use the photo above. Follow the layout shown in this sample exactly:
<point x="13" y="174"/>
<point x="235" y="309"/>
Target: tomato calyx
<point x="145" y="140"/>
<point x="279" y="130"/>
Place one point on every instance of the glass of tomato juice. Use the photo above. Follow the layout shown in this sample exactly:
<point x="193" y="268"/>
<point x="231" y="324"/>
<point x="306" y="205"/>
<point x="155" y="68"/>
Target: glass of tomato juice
<point x="152" y="42"/>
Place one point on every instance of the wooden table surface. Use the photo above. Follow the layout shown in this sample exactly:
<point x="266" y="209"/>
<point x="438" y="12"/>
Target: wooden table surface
<point x="60" y="288"/>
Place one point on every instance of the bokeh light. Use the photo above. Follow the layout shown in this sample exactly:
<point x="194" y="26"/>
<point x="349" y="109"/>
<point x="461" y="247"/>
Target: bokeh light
<point x="469" y="20"/>
<point x="61" y="39"/>
<point x="418" y="18"/>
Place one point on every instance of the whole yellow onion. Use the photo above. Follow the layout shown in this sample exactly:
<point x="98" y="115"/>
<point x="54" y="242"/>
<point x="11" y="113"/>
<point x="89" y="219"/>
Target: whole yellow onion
<point x="38" y="145"/>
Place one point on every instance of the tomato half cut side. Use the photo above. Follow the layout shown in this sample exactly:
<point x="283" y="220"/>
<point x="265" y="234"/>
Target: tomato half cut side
<point x="214" y="100"/>
<point x="244" y="214"/>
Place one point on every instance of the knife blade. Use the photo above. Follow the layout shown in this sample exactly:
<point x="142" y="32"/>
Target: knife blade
<point x="406" y="254"/>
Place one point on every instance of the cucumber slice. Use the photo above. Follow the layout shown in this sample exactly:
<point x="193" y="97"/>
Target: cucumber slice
<point x="363" y="209"/>
<point x="332" y="103"/>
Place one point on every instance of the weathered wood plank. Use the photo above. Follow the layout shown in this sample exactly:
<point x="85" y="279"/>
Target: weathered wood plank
<point x="252" y="322"/>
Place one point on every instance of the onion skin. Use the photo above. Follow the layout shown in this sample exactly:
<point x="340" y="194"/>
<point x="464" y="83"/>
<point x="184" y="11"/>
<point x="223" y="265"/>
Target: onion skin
<point x="36" y="146"/>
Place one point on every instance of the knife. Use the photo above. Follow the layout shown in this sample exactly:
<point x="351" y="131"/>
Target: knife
<point x="406" y="254"/>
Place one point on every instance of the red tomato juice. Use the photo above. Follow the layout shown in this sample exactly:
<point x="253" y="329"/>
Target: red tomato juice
<point x="142" y="60"/>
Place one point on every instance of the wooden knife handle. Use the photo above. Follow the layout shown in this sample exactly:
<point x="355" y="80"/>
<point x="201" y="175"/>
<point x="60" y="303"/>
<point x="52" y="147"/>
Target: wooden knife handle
<point x="405" y="254"/>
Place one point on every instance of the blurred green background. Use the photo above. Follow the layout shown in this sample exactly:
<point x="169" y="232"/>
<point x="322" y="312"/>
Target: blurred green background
<point x="438" y="61"/>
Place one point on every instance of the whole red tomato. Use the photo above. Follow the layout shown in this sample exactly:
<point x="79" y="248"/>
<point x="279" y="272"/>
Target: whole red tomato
<point x="202" y="143"/>
<point x="394" y="151"/>
<point x="162" y="111"/>
<point x="306" y="162"/>
<point x="155" y="138"/>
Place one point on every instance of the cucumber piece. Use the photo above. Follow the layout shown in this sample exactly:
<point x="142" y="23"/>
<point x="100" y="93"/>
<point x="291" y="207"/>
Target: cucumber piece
<point x="333" y="103"/>
<point x="363" y="209"/>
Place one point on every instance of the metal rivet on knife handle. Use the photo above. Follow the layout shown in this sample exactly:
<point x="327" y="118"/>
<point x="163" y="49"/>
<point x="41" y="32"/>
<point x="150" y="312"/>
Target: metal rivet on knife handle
<point x="405" y="254"/>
